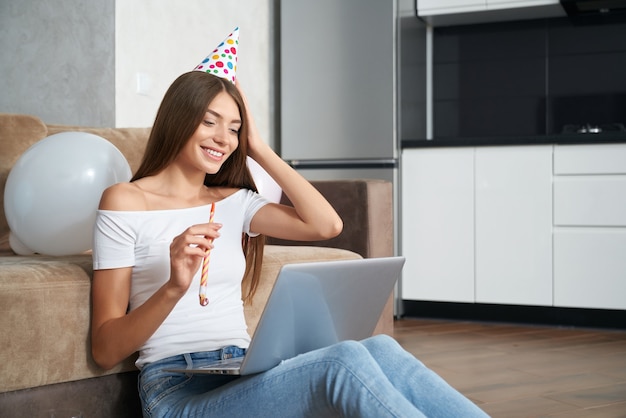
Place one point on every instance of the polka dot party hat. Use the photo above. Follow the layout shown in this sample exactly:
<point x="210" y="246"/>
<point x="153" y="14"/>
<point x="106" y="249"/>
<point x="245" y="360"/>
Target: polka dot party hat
<point x="223" y="60"/>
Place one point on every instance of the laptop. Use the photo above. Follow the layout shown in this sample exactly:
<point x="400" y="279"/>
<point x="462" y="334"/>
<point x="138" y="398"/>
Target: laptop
<point x="314" y="305"/>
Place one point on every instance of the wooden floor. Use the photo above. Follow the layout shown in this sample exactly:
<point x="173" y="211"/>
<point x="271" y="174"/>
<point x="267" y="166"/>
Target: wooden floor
<point x="513" y="370"/>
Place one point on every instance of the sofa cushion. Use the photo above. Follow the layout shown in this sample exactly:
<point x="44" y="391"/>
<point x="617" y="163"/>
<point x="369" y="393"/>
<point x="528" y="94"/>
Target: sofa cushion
<point x="45" y="319"/>
<point x="17" y="134"/>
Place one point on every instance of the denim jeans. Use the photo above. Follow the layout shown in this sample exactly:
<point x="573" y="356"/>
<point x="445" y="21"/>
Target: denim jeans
<point x="371" y="378"/>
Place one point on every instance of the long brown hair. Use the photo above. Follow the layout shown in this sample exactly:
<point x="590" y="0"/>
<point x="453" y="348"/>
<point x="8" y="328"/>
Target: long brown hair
<point x="182" y="110"/>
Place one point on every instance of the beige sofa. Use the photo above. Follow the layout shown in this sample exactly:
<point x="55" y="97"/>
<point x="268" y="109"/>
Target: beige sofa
<point x="45" y="301"/>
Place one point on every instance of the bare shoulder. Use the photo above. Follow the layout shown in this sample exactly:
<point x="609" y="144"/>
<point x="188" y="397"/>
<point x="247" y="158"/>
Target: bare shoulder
<point x="224" y="192"/>
<point x="123" y="196"/>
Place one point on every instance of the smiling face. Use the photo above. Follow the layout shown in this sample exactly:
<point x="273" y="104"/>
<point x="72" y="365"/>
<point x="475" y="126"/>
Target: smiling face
<point x="199" y="138"/>
<point x="216" y="138"/>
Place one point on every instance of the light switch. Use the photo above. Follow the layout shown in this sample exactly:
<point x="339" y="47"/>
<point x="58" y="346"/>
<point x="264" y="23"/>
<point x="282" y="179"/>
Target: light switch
<point x="144" y="84"/>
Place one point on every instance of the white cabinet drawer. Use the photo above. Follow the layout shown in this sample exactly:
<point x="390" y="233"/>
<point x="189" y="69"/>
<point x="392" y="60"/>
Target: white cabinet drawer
<point x="590" y="268"/>
<point x="590" y="159"/>
<point x="590" y="201"/>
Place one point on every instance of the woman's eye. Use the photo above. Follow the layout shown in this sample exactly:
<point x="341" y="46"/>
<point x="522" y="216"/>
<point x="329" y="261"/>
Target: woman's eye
<point x="235" y="131"/>
<point x="209" y="122"/>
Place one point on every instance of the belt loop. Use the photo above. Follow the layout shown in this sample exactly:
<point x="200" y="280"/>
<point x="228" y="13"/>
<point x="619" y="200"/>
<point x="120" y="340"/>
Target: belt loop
<point x="188" y="360"/>
<point x="225" y="353"/>
<point x="228" y="352"/>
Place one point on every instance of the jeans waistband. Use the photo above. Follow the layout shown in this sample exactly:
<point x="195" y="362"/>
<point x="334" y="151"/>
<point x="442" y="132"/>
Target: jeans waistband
<point x="190" y="360"/>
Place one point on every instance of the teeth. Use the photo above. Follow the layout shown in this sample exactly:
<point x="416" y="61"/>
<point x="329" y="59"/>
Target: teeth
<point x="215" y="153"/>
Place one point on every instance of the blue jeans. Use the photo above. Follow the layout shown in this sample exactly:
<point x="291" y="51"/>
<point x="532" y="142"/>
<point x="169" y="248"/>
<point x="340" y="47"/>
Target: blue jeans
<point x="371" y="378"/>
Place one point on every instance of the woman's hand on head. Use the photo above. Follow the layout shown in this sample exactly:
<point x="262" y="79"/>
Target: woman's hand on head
<point x="311" y="217"/>
<point x="187" y="251"/>
<point x="254" y="137"/>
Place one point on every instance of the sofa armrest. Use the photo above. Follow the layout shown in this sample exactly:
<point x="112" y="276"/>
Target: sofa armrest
<point x="366" y="207"/>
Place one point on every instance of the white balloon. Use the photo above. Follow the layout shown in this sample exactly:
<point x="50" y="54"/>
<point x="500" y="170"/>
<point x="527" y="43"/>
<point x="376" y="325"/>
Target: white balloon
<point x="53" y="190"/>
<point x="18" y="246"/>
<point x="267" y="186"/>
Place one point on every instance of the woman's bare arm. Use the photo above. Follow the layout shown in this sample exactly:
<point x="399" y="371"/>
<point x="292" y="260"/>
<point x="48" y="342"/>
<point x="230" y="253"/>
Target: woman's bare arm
<point x="311" y="218"/>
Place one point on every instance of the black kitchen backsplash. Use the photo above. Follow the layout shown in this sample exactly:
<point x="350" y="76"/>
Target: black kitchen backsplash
<point x="528" y="77"/>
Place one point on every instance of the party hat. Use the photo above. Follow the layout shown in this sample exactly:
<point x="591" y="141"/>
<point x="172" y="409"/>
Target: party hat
<point x="223" y="60"/>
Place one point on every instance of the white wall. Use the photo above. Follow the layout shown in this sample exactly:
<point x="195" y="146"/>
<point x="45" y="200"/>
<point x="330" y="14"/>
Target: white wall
<point x="163" y="39"/>
<point x="76" y="62"/>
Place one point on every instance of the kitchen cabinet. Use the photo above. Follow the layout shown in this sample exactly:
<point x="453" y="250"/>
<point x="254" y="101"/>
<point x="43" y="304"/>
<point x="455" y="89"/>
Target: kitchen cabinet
<point x="590" y="200"/>
<point x="458" y="12"/>
<point x="590" y="159"/>
<point x="590" y="268"/>
<point x="493" y="4"/>
<point x="438" y="224"/>
<point x="590" y="226"/>
<point x="514" y="225"/>
<point x="541" y="225"/>
<point x="428" y="7"/>
<point x="477" y="224"/>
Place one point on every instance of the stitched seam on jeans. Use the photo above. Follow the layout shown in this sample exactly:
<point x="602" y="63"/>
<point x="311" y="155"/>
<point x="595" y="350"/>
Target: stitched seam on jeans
<point x="158" y="398"/>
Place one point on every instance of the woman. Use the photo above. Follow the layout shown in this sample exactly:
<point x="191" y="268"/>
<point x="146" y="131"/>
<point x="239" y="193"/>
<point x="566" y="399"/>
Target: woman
<point x="151" y="236"/>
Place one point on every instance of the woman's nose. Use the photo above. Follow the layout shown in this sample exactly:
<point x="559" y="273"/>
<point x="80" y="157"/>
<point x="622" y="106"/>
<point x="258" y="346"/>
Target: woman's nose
<point x="221" y="133"/>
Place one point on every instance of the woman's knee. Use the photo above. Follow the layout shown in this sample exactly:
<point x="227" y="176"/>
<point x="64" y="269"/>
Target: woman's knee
<point x="386" y="349"/>
<point x="381" y="342"/>
<point x="362" y="352"/>
<point x="350" y="355"/>
<point x="348" y="351"/>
